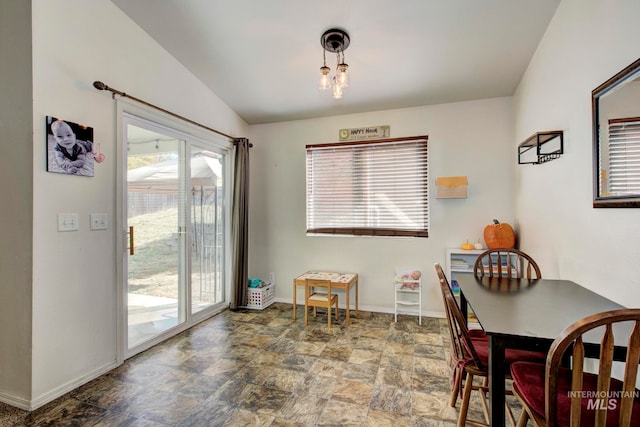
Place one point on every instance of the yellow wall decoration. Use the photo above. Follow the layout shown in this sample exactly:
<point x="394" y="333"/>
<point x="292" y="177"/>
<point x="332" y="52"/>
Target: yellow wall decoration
<point x="452" y="187"/>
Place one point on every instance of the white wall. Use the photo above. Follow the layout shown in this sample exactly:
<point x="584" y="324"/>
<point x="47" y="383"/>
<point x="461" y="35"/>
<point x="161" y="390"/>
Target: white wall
<point x="76" y="42"/>
<point x="587" y="42"/>
<point x="16" y="209"/>
<point x="468" y="138"/>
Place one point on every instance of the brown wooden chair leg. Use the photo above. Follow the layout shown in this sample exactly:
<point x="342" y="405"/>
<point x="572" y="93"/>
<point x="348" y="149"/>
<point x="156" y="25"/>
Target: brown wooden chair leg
<point x="524" y="418"/>
<point x="484" y="399"/>
<point x="306" y="306"/>
<point x="464" y="408"/>
<point x="455" y="388"/>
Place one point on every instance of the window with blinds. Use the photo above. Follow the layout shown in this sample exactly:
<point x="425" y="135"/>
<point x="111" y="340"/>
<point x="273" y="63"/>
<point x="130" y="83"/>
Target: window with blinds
<point x="373" y="188"/>
<point x="624" y="156"/>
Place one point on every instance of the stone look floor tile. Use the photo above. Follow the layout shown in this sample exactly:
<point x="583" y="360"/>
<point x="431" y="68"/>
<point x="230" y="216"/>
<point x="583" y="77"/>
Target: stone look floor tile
<point x="358" y="372"/>
<point x="284" y="379"/>
<point x="261" y="368"/>
<point x="391" y="399"/>
<point x="429" y="366"/>
<point x="309" y="348"/>
<point x="365" y="357"/>
<point x="303" y="408"/>
<point x="430" y="339"/>
<point x="353" y="392"/>
<point x="337" y="352"/>
<point x="433" y="405"/>
<point x="402" y="361"/>
<point x="378" y="418"/>
<point x="377" y="333"/>
<point x="105" y="392"/>
<point x="395" y="348"/>
<point x="395" y="377"/>
<point x="327" y="368"/>
<point x="210" y="413"/>
<point x="338" y="413"/>
<point x="317" y="386"/>
<point x="263" y="400"/>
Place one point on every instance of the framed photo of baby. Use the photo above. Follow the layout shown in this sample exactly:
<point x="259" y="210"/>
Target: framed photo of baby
<point x="69" y="147"/>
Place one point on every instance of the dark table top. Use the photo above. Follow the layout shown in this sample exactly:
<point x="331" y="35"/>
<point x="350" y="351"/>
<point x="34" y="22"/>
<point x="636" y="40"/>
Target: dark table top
<point x="538" y="308"/>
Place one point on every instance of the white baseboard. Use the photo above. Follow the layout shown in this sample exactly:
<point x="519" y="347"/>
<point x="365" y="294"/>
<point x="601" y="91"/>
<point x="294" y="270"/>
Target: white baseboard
<point x="35" y="403"/>
<point x="16" y="401"/>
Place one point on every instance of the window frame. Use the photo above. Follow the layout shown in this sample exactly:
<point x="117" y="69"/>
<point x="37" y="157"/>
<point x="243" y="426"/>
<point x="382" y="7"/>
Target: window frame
<point x="421" y="231"/>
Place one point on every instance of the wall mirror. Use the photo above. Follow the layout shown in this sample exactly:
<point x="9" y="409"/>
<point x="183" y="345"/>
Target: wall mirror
<point x="616" y="140"/>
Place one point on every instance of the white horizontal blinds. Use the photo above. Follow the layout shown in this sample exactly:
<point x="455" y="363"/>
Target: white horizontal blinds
<point x="624" y="156"/>
<point x="372" y="188"/>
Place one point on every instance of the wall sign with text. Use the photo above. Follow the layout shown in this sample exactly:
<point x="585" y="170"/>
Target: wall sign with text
<point x="369" y="132"/>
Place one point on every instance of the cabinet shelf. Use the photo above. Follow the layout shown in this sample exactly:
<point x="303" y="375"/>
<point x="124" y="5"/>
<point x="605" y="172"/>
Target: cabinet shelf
<point x="541" y="147"/>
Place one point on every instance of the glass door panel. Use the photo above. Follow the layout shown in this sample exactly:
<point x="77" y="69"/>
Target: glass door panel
<point x="207" y="225"/>
<point x="157" y="233"/>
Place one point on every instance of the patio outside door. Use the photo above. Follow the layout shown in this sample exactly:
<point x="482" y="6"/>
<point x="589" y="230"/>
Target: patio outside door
<point x="176" y="234"/>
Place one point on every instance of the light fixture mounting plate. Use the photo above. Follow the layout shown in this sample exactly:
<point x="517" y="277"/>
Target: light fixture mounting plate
<point x="335" y="40"/>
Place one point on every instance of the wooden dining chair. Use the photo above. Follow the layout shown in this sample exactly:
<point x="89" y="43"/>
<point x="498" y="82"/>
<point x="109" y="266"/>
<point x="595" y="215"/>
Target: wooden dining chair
<point x="553" y="395"/>
<point x="470" y="357"/>
<point x="314" y="297"/>
<point x="509" y="263"/>
<point x="463" y="357"/>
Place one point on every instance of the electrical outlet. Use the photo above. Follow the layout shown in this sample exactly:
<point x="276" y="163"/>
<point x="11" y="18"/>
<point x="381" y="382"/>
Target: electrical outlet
<point x="68" y="222"/>
<point x="98" y="221"/>
<point x="272" y="277"/>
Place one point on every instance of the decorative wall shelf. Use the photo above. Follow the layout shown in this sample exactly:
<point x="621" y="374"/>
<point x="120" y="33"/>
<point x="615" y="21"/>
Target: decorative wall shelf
<point x="541" y="147"/>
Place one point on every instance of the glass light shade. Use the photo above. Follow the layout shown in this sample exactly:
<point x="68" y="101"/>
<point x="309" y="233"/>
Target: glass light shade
<point x="342" y="75"/>
<point x="337" y="89"/>
<point x="324" y="82"/>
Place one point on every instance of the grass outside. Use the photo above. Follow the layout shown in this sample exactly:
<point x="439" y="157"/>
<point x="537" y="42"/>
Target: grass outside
<point x="153" y="269"/>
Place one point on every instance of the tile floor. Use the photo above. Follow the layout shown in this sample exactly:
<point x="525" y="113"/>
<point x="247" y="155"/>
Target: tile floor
<point x="260" y="368"/>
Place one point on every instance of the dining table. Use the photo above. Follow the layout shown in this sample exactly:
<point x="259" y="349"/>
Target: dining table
<point x="528" y="315"/>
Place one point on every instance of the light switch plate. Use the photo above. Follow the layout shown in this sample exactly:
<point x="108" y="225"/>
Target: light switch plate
<point x="98" y="221"/>
<point x="68" y="222"/>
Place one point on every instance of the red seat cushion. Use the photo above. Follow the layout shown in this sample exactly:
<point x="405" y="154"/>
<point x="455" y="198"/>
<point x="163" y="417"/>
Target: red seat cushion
<point x="478" y="334"/>
<point x="481" y="346"/>
<point x="528" y="381"/>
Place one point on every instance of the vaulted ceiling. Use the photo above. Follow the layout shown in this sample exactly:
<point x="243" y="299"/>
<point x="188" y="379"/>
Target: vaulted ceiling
<point x="262" y="57"/>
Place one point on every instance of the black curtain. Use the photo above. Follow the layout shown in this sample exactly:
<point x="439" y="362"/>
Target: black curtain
<point x="240" y="225"/>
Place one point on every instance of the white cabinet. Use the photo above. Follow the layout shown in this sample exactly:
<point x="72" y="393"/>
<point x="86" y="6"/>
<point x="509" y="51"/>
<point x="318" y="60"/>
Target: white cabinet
<point x="461" y="261"/>
<point x="408" y="298"/>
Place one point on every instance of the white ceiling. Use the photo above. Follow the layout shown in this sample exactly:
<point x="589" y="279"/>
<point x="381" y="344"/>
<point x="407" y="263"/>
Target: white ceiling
<point x="262" y="57"/>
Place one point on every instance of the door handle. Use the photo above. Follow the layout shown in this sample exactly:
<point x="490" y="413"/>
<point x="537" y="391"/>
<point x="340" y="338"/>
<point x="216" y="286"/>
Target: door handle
<point x="131" y="250"/>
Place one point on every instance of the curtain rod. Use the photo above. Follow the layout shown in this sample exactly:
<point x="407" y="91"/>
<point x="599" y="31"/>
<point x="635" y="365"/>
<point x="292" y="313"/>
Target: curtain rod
<point x="101" y="86"/>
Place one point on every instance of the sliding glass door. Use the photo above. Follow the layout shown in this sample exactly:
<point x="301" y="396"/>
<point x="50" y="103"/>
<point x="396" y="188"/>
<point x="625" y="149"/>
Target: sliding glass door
<point x="175" y="231"/>
<point x="207" y="225"/>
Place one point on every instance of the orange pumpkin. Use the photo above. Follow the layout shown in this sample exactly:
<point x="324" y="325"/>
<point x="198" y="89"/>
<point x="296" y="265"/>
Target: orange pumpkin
<point x="499" y="235"/>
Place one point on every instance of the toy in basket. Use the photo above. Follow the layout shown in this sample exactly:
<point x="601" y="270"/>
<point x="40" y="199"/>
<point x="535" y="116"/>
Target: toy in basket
<point x="261" y="296"/>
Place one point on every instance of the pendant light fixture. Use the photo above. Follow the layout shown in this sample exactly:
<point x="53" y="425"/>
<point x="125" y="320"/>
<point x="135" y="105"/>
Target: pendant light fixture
<point x="335" y="41"/>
